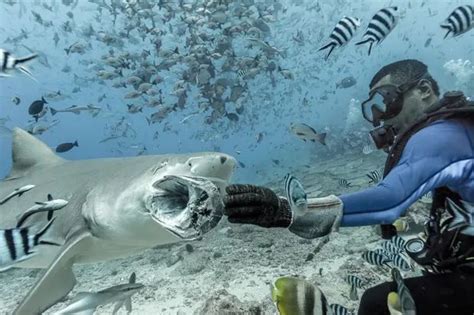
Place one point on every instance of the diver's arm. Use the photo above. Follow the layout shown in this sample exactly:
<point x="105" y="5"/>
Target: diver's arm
<point x="439" y="155"/>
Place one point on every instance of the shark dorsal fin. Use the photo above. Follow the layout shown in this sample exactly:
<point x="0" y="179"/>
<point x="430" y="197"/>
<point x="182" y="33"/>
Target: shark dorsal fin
<point x="28" y="151"/>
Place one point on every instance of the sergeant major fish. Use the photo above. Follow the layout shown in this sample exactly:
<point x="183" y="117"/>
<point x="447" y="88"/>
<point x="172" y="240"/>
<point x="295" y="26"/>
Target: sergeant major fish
<point x="380" y="26"/>
<point x="17" y="192"/>
<point x="459" y="21"/>
<point x="342" y="33"/>
<point x="18" y="244"/>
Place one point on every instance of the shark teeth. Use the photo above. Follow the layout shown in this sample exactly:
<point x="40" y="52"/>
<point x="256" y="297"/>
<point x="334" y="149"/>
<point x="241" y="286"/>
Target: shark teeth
<point x="187" y="206"/>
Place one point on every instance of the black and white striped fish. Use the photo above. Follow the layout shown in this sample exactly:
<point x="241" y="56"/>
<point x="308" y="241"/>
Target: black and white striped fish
<point x="242" y="73"/>
<point x="374" y="258"/>
<point x="382" y="252"/>
<point x="390" y="247"/>
<point x="355" y="283"/>
<point x="10" y="63"/>
<point x="374" y="176"/>
<point x="344" y="183"/>
<point x="406" y="301"/>
<point x="19" y="244"/>
<point x="339" y="310"/>
<point x="398" y="242"/>
<point x="380" y="26"/>
<point x="342" y="33"/>
<point x="400" y="262"/>
<point x="354" y="280"/>
<point x="459" y="21"/>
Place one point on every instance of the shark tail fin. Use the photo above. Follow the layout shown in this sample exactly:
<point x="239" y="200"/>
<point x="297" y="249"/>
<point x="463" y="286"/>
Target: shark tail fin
<point x="53" y="111"/>
<point x="76" y="144"/>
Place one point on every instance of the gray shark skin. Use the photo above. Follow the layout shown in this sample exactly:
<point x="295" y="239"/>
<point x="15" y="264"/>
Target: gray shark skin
<point x="116" y="207"/>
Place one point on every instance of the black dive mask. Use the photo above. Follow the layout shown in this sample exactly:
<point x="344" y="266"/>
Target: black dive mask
<point x="386" y="102"/>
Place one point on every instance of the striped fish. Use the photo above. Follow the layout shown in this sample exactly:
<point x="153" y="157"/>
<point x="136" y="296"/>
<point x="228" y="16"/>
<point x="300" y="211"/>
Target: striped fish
<point x="242" y="73"/>
<point x="374" y="176"/>
<point x="459" y="21"/>
<point x="382" y="252"/>
<point x="375" y="259"/>
<point x="344" y="183"/>
<point x="342" y="33"/>
<point x="398" y="242"/>
<point x="10" y="63"/>
<point x="339" y="310"/>
<point x="399" y="262"/>
<point x="391" y="248"/>
<point x="407" y="303"/>
<point x="19" y="244"/>
<point x="355" y="283"/>
<point x="380" y="26"/>
<point x="298" y="296"/>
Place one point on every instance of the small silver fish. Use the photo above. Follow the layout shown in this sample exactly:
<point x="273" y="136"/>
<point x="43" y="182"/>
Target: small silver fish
<point x="305" y="133"/>
<point x="44" y="206"/>
<point x="17" y="192"/>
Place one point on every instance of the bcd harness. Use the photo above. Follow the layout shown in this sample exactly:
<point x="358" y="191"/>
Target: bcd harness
<point x="453" y="105"/>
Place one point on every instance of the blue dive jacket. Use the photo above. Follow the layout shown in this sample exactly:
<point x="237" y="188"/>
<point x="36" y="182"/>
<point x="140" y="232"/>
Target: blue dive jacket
<point x="441" y="154"/>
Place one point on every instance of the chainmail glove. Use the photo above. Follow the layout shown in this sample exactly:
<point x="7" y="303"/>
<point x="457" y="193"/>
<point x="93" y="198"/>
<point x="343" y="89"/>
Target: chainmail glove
<point x="249" y="204"/>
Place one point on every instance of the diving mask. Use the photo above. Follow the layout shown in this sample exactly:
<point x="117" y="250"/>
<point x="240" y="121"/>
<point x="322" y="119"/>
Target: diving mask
<point x="386" y="101"/>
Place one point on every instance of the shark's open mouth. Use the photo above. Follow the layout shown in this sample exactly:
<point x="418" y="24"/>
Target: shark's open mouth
<point x="187" y="206"/>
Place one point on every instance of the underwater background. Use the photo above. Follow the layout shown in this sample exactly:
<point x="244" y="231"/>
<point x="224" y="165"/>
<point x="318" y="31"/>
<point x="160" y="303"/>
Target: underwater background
<point x="242" y="102"/>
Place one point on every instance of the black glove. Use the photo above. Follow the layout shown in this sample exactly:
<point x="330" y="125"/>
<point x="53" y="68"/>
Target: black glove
<point x="251" y="204"/>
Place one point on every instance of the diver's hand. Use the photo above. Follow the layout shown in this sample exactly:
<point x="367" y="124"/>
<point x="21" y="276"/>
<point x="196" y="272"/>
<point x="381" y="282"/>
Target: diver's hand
<point x="251" y="204"/>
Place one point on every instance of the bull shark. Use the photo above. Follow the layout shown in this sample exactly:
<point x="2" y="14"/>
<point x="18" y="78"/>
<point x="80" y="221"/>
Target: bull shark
<point x="116" y="207"/>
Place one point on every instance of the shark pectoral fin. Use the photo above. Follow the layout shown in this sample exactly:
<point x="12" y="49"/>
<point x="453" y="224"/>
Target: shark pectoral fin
<point x="59" y="279"/>
<point x="119" y="304"/>
<point x="128" y="305"/>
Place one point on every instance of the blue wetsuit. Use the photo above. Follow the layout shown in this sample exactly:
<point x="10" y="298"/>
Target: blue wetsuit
<point x="442" y="154"/>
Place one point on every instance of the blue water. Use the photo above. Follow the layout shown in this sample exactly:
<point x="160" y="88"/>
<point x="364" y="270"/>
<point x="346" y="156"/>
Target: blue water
<point x="268" y="109"/>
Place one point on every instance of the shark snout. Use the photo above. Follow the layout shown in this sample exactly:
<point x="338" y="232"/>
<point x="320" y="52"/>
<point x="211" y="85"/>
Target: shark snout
<point x="215" y="166"/>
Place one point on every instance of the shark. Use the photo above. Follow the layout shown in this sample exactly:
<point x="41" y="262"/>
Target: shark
<point x="86" y="303"/>
<point x="116" y="207"/>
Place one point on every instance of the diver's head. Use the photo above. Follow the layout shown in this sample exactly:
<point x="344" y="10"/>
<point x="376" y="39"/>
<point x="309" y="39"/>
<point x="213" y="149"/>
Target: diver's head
<point x="399" y="94"/>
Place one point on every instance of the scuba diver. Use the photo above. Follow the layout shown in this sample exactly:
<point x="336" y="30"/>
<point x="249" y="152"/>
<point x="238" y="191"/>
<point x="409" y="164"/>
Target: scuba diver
<point x="430" y="146"/>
